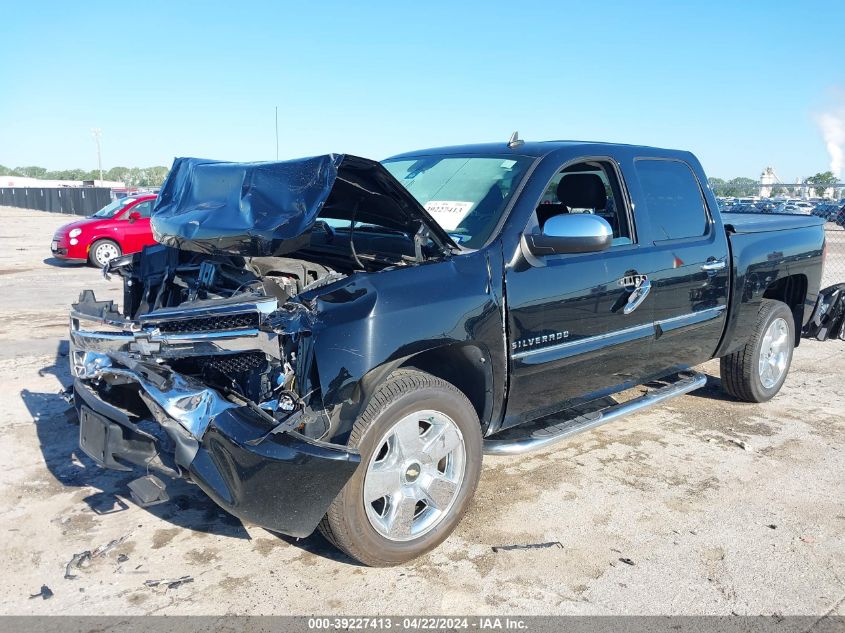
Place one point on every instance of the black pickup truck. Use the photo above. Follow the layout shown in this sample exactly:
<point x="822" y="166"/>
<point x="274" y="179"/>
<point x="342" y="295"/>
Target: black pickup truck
<point x="334" y="342"/>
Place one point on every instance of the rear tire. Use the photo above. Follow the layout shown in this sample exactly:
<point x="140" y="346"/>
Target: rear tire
<point x="420" y="443"/>
<point x="757" y="371"/>
<point x="103" y="250"/>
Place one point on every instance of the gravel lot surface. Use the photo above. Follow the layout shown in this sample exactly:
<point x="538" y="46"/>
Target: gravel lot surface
<point x="703" y="505"/>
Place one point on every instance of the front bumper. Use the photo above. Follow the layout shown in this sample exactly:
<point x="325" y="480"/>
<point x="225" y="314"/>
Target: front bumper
<point x="134" y="411"/>
<point x="61" y="248"/>
<point x="285" y="483"/>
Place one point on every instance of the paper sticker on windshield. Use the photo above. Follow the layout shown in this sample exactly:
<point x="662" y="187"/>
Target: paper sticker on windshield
<point x="448" y="213"/>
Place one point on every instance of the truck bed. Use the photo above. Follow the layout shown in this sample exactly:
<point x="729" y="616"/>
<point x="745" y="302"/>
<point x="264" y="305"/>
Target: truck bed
<point x="763" y="222"/>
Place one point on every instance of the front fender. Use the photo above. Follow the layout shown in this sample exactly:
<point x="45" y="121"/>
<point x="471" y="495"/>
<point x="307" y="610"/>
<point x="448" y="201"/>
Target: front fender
<point x="374" y="323"/>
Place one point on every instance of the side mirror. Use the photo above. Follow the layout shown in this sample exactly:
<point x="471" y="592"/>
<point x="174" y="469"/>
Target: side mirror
<point x="134" y="216"/>
<point x="570" y="233"/>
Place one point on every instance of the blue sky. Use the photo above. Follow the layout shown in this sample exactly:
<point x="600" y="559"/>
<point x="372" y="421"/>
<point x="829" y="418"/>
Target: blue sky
<point x="738" y="83"/>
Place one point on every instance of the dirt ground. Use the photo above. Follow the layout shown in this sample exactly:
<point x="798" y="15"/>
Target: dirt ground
<point x="703" y="505"/>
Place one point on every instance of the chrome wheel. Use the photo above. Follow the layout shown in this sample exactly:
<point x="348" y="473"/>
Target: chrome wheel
<point x="774" y="353"/>
<point x="414" y="475"/>
<point x="105" y="252"/>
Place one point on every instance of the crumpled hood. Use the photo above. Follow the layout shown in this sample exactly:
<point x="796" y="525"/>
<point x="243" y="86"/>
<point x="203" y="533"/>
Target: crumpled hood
<point x="269" y="208"/>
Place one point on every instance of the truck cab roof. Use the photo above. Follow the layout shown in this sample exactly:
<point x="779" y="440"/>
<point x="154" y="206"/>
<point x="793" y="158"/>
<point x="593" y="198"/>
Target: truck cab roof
<point x="541" y="149"/>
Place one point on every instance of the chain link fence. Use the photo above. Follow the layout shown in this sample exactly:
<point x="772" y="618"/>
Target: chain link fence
<point x="834" y="266"/>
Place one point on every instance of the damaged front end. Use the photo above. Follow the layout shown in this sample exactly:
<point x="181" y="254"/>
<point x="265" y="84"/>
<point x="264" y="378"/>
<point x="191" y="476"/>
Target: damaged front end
<point x="168" y="392"/>
<point x="209" y="391"/>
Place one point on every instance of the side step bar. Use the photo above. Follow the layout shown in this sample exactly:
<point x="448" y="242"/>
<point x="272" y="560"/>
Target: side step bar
<point x="559" y="429"/>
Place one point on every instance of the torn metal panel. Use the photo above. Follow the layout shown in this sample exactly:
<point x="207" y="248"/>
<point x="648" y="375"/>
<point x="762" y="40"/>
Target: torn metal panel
<point x="190" y="403"/>
<point x="282" y="481"/>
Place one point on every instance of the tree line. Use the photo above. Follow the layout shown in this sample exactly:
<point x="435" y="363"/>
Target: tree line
<point x="130" y="176"/>
<point x="747" y="187"/>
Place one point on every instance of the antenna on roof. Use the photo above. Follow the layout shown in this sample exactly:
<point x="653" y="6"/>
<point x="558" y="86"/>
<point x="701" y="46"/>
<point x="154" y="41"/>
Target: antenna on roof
<point x="515" y="140"/>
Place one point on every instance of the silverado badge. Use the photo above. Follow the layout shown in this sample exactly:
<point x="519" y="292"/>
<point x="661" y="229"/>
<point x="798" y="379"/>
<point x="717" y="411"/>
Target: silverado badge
<point x="534" y="341"/>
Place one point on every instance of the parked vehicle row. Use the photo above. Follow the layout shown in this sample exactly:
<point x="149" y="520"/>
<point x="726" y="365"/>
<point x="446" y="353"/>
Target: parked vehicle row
<point x="830" y="211"/>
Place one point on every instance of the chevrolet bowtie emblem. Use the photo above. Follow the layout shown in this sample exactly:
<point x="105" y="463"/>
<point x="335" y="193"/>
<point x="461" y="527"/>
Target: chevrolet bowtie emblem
<point x="144" y="346"/>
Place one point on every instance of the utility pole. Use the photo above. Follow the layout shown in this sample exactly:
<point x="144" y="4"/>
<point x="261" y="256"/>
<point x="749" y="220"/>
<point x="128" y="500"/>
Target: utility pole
<point x="277" y="132"/>
<point x="97" y="133"/>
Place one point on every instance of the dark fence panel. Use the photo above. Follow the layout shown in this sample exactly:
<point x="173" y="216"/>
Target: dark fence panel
<point x="71" y="200"/>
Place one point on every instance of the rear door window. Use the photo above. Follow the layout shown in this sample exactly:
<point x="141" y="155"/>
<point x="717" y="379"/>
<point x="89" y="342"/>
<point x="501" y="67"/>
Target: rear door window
<point x="673" y="199"/>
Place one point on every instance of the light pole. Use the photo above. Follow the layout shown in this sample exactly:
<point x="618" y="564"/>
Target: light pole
<point x="97" y="133"/>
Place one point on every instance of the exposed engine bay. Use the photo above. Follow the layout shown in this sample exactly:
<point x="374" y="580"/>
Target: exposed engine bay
<point x="235" y="324"/>
<point x="164" y="277"/>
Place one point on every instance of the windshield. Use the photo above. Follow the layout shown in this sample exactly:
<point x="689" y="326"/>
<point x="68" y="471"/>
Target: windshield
<point x="113" y="208"/>
<point x="464" y="194"/>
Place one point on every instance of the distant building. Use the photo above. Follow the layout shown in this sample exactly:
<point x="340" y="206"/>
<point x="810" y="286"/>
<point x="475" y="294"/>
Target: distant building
<point x="25" y="181"/>
<point x="767" y="179"/>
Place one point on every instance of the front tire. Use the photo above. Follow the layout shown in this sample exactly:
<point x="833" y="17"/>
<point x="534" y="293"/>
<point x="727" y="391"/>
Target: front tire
<point x="102" y="251"/>
<point x="757" y="371"/>
<point x="421" y="450"/>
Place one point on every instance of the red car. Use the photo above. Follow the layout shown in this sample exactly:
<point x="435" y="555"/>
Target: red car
<point x="118" y="228"/>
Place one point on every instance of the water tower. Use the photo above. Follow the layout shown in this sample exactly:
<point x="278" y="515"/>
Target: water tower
<point x="767" y="180"/>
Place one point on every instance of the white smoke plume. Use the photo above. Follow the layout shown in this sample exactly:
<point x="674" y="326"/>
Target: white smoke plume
<point x="832" y="126"/>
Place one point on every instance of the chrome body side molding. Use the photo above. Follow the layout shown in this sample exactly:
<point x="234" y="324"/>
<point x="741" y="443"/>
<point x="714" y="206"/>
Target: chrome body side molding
<point x="571" y="348"/>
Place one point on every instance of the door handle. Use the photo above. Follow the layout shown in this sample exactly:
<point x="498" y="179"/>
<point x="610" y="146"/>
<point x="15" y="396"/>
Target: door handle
<point x="637" y="296"/>
<point x="712" y="265"/>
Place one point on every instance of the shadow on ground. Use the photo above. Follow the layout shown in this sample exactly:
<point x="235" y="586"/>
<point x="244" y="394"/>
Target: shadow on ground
<point x="62" y="263"/>
<point x="712" y="391"/>
<point x="317" y="545"/>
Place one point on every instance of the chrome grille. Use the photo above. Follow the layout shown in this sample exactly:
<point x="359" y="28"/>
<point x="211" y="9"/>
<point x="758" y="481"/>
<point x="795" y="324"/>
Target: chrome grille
<point x="237" y="363"/>
<point x="228" y="364"/>
<point x="243" y="321"/>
